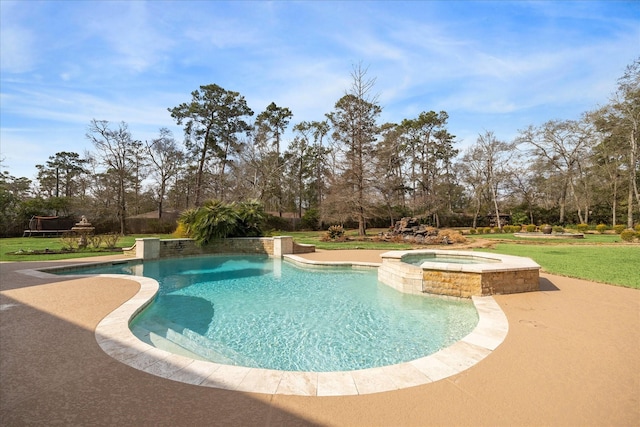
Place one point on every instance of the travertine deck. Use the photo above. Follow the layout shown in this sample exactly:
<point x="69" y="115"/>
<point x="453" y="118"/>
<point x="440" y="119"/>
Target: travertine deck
<point x="570" y="358"/>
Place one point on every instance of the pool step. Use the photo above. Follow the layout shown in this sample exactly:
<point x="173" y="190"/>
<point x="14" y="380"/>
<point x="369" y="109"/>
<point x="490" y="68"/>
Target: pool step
<point x="167" y="337"/>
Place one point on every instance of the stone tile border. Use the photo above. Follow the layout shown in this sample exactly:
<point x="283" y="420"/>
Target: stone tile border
<point x="116" y="339"/>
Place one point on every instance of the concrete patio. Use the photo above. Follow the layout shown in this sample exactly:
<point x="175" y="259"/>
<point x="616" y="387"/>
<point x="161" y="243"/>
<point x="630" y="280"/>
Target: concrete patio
<point x="570" y="358"/>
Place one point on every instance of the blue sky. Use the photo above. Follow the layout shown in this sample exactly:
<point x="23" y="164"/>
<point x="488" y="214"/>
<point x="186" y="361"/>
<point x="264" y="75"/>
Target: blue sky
<point x="498" y="66"/>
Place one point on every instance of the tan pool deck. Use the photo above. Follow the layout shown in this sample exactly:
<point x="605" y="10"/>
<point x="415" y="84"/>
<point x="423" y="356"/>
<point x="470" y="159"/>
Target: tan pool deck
<point x="571" y="358"/>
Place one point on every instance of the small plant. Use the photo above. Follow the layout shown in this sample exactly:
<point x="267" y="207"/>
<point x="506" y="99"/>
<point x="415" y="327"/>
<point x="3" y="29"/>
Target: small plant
<point x="181" y="231"/>
<point x="69" y="241"/>
<point x="111" y="240"/>
<point x="619" y="228"/>
<point x="582" y="227"/>
<point x="530" y="228"/>
<point x="95" y="240"/>
<point x="628" y="235"/>
<point x="473" y="231"/>
<point x="558" y="229"/>
<point x="452" y="236"/>
<point x="487" y="230"/>
<point x="335" y="232"/>
<point x="601" y="228"/>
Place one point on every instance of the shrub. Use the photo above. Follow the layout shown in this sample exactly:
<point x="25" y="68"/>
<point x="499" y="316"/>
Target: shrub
<point x="111" y="240"/>
<point x="487" y="230"/>
<point x="311" y="219"/>
<point x="218" y="220"/>
<point x="186" y="221"/>
<point x="335" y="232"/>
<point x="628" y="235"/>
<point x="452" y="236"/>
<point x="473" y="231"/>
<point x="530" y="228"/>
<point x="558" y="229"/>
<point x="181" y="231"/>
<point x="251" y="216"/>
<point x="600" y="228"/>
<point x="69" y="240"/>
<point x="582" y="227"/>
<point x="95" y="240"/>
<point x="619" y="228"/>
<point x="637" y="228"/>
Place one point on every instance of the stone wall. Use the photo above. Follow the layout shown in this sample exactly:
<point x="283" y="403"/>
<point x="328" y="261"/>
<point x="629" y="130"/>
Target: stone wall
<point x="500" y="274"/>
<point x="452" y="283"/>
<point x="172" y="248"/>
<point x="468" y="284"/>
<point x="510" y="282"/>
<point x="153" y="248"/>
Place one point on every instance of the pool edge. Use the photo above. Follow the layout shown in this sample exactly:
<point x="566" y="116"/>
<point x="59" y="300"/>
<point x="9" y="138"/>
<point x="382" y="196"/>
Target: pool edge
<point x="116" y="339"/>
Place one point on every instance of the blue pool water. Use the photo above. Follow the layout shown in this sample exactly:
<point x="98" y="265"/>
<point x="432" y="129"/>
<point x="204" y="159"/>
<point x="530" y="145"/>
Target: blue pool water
<point x="261" y="312"/>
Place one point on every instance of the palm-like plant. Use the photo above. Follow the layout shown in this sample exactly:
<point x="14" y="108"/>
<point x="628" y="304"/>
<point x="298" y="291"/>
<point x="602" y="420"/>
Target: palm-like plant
<point x="187" y="219"/>
<point x="251" y="215"/>
<point x="217" y="220"/>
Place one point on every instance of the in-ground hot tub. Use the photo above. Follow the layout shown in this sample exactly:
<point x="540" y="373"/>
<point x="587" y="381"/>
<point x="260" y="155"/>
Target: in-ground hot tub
<point x="458" y="273"/>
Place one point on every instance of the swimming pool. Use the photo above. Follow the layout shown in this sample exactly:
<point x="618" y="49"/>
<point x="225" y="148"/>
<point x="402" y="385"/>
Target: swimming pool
<point x="262" y="312"/>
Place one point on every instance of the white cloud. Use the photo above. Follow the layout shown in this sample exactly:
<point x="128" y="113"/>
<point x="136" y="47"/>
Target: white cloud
<point x="16" y="45"/>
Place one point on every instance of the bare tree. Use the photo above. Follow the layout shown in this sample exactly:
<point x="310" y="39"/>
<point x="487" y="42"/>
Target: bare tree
<point x="115" y="149"/>
<point x="627" y="104"/>
<point x="489" y="161"/>
<point x="561" y="144"/>
<point x="166" y="160"/>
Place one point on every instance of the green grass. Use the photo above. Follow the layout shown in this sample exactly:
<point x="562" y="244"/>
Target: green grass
<point x="616" y="265"/>
<point x="314" y="238"/>
<point x="27" y="244"/>
<point x="589" y="239"/>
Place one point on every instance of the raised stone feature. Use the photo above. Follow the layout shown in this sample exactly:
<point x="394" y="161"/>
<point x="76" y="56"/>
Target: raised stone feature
<point x="458" y="273"/>
<point x="154" y="248"/>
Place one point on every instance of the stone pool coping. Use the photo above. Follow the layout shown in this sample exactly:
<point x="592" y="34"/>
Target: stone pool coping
<point x="495" y="262"/>
<point x="116" y="339"/>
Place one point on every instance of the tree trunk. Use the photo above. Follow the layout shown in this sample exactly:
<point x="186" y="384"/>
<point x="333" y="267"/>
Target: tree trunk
<point x="199" y="174"/>
<point x="495" y="205"/>
<point x="633" y="188"/>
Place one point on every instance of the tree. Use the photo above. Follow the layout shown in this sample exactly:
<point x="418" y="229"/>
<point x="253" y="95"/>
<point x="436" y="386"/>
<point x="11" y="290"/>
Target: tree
<point x="14" y="192"/>
<point x="354" y="126"/>
<point x="306" y="157"/>
<point x="429" y="148"/>
<point x="212" y="121"/>
<point x="560" y="144"/>
<point x="270" y="125"/>
<point x="115" y="149"/>
<point x="486" y="169"/>
<point x="389" y="161"/>
<point x="166" y="161"/>
<point x="610" y="155"/>
<point x="61" y="170"/>
<point x="626" y="103"/>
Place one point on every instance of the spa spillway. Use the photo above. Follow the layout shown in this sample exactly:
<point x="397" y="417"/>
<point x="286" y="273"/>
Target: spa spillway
<point x="458" y="273"/>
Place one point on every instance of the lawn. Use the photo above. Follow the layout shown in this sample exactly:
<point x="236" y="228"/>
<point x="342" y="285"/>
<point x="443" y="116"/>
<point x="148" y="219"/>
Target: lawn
<point x="589" y="239"/>
<point x="613" y="264"/>
<point x="27" y="244"/>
